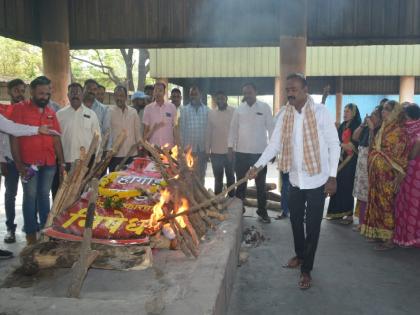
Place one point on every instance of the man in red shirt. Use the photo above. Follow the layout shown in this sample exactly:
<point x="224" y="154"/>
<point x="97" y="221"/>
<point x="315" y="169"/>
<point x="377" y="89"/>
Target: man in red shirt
<point x="35" y="156"/>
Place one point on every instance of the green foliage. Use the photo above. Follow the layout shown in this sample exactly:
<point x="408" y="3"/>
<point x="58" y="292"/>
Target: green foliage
<point x="19" y="60"/>
<point x="110" y="57"/>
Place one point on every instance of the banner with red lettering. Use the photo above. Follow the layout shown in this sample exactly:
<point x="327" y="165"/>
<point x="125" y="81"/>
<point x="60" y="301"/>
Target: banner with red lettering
<point x="123" y="208"/>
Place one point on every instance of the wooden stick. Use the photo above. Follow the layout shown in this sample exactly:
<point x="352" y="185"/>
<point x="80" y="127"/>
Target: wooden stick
<point x="208" y="202"/>
<point x="252" y="194"/>
<point x="110" y="154"/>
<point x="87" y="256"/>
<point x="132" y="150"/>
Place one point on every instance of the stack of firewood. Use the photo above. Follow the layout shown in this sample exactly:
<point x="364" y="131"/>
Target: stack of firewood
<point x="183" y="182"/>
<point x="273" y="199"/>
<point x="92" y="164"/>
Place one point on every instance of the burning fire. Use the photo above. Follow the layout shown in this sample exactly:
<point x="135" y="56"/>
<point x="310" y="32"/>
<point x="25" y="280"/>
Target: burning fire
<point x="157" y="208"/>
<point x="189" y="157"/>
<point x="184" y="207"/>
<point x="174" y="152"/>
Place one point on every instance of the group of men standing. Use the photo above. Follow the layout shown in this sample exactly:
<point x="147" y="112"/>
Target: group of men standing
<point x="233" y="139"/>
<point x="40" y="160"/>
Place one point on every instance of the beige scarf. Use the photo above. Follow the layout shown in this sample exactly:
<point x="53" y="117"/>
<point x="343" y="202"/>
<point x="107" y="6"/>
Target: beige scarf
<point x="311" y="151"/>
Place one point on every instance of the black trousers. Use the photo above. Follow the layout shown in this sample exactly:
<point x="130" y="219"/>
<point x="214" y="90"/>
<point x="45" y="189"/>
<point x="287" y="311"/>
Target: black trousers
<point x="309" y="202"/>
<point x="243" y="161"/>
<point x="221" y="164"/>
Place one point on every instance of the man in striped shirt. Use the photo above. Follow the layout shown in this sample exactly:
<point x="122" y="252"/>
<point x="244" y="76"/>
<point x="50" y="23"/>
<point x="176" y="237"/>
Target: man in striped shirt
<point x="193" y="125"/>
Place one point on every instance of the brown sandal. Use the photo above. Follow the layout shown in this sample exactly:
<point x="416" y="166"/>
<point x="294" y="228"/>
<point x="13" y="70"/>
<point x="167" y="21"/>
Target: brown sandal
<point x="293" y="263"/>
<point x="305" y="281"/>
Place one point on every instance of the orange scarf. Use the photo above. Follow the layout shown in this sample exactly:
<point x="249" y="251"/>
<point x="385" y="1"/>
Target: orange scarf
<point x="311" y="151"/>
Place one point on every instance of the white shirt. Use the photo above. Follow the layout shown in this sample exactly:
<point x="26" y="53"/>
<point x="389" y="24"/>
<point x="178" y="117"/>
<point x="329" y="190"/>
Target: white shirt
<point x="250" y="128"/>
<point x="77" y="130"/>
<point x="328" y="142"/>
<point x="9" y="127"/>
<point x="127" y="120"/>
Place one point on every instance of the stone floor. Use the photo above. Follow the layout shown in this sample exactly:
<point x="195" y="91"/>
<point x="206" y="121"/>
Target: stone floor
<point x="348" y="277"/>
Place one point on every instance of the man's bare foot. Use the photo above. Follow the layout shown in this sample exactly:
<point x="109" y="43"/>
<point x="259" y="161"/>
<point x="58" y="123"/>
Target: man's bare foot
<point x="305" y="281"/>
<point x="293" y="263"/>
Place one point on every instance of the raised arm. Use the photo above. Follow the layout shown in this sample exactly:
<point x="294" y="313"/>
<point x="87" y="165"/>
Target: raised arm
<point x="17" y="130"/>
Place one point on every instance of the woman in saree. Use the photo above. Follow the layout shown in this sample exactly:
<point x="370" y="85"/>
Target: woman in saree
<point x="342" y="203"/>
<point x="407" y="205"/>
<point x="364" y="135"/>
<point x="387" y="162"/>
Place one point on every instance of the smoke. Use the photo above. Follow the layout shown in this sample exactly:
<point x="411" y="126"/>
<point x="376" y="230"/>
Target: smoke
<point x="234" y="22"/>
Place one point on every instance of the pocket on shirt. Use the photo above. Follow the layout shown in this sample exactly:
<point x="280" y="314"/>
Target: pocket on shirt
<point x="87" y="126"/>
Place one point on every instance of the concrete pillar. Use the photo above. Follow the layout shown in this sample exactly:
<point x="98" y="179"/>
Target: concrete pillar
<point x="277" y="93"/>
<point x="407" y="85"/>
<point x="338" y="98"/>
<point x="292" y="59"/>
<point x="166" y="82"/>
<point x="292" y="45"/>
<point x="293" y="42"/>
<point x="54" y="23"/>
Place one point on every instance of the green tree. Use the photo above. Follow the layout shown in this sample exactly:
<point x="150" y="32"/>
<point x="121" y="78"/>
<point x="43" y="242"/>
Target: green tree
<point x="19" y="60"/>
<point x="108" y="66"/>
<point x="112" y="67"/>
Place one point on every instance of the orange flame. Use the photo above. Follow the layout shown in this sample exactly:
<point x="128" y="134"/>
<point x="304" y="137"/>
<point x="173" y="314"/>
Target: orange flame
<point x="174" y="152"/>
<point x="183" y="207"/>
<point x="157" y="209"/>
<point x="189" y="157"/>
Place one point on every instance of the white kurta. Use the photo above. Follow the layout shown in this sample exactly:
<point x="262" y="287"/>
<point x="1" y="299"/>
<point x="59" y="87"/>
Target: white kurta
<point x="77" y="130"/>
<point x="328" y="143"/>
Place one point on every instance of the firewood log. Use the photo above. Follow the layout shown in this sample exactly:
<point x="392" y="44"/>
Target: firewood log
<point x="87" y="256"/>
<point x="271" y="205"/>
<point x="252" y="194"/>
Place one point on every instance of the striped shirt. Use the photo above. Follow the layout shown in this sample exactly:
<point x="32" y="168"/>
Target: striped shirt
<point x="104" y="118"/>
<point x="193" y="125"/>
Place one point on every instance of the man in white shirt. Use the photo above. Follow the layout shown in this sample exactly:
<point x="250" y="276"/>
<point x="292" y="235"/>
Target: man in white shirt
<point x="102" y="111"/>
<point x="307" y="140"/>
<point x="125" y="118"/>
<point x="78" y="125"/>
<point x="250" y="128"/>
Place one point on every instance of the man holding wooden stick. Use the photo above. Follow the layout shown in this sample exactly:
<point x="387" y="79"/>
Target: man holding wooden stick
<point x="307" y="140"/>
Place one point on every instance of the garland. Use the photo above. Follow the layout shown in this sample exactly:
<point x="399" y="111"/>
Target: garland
<point x="116" y="194"/>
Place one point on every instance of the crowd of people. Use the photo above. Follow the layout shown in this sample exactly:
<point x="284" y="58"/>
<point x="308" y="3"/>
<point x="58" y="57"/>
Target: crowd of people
<point x="43" y="140"/>
<point x="375" y="162"/>
<point x="379" y="168"/>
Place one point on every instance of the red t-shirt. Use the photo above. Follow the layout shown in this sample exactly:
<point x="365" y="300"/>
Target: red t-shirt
<point x="6" y="110"/>
<point x="39" y="149"/>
